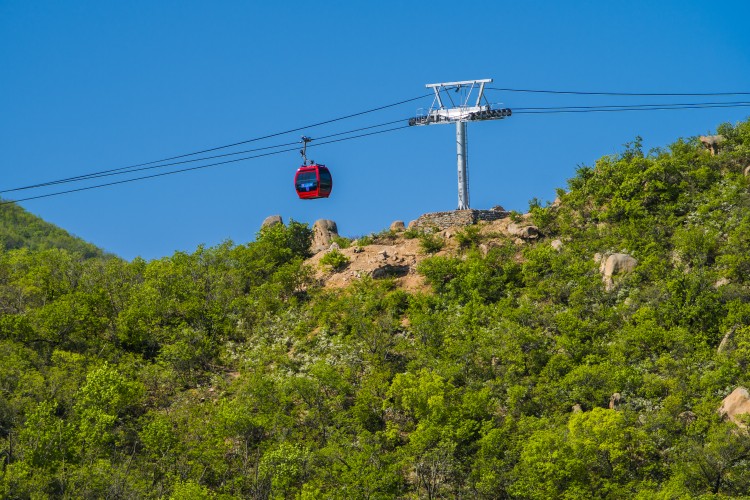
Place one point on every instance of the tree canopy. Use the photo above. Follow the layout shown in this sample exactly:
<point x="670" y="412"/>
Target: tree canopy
<point x="229" y="372"/>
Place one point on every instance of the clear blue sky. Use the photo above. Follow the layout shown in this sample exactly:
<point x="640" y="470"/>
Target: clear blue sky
<point x="94" y="85"/>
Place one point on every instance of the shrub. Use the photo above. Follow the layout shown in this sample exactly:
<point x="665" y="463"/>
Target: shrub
<point x="363" y="241"/>
<point x="468" y="237"/>
<point x="342" y="242"/>
<point x="431" y="243"/>
<point x="411" y="233"/>
<point x="334" y="260"/>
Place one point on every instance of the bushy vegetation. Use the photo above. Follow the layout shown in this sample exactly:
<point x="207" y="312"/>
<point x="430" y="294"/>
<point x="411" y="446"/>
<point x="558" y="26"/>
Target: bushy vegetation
<point x="334" y="260"/>
<point x="431" y="242"/>
<point x="20" y="229"/>
<point x="228" y="373"/>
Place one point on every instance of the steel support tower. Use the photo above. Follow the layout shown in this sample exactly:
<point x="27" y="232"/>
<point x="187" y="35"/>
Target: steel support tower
<point x="460" y="112"/>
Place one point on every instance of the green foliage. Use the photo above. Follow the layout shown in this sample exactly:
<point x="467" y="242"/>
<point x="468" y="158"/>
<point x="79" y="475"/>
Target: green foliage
<point x="286" y="242"/>
<point x="334" y="260"/>
<point x="342" y="242"/>
<point x="227" y="373"/>
<point x="411" y="233"/>
<point x="515" y="216"/>
<point x="20" y="229"/>
<point x="468" y="237"/>
<point x="366" y="240"/>
<point x="429" y="242"/>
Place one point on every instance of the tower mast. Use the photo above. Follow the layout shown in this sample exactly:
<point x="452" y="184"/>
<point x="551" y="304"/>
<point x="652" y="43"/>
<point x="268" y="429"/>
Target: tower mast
<point x="460" y="114"/>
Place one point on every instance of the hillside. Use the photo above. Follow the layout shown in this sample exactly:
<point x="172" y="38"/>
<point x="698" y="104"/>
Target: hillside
<point x="585" y="349"/>
<point x="20" y="229"/>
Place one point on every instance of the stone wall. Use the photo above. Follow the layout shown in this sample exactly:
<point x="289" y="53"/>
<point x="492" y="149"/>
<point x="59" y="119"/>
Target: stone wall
<point x="443" y="220"/>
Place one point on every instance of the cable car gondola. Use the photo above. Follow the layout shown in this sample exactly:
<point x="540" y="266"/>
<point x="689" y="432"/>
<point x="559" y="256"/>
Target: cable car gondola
<point x="312" y="180"/>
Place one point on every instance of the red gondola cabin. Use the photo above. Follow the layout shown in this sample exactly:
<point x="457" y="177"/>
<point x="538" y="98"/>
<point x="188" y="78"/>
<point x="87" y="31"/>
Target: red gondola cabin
<point x="313" y="181"/>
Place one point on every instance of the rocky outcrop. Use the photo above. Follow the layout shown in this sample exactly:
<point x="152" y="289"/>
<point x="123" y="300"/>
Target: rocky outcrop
<point x="617" y="263"/>
<point x="390" y="271"/>
<point x="324" y="231"/>
<point x="712" y="142"/>
<point x="397" y="226"/>
<point x="523" y="232"/>
<point x="272" y="220"/>
<point x="736" y="404"/>
<point x="615" y="401"/>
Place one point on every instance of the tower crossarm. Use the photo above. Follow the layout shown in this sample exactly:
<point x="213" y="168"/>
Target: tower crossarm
<point x="464" y="111"/>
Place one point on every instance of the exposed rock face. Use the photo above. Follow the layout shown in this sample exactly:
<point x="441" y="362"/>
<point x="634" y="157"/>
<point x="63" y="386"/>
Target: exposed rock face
<point x="617" y="263"/>
<point x="747" y="171"/>
<point x="712" y="142"/>
<point x="324" y="231"/>
<point x="615" y="401"/>
<point x="390" y="271"/>
<point x="523" y="232"/>
<point x="397" y="226"/>
<point x="272" y="220"/>
<point x="736" y="404"/>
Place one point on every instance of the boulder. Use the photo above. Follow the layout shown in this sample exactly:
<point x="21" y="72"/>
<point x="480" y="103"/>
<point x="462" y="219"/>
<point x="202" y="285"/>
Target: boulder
<point x="617" y="263"/>
<point x="615" y="401"/>
<point x="711" y="142"/>
<point x="397" y="226"/>
<point x="523" y="232"/>
<point x="736" y="404"/>
<point x="412" y="224"/>
<point x="498" y="208"/>
<point x="272" y="220"/>
<point x="324" y="231"/>
<point x="389" y="271"/>
<point x="747" y="171"/>
<point x="557" y="244"/>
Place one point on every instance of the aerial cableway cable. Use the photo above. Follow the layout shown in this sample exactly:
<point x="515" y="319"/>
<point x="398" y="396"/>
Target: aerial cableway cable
<point x="618" y="108"/>
<point x="527" y="110"/>
<point x="276" y="134"/>
<point x="162" y="174"/>
<point x="624" y="94"/>
<point x="109" y="173"/>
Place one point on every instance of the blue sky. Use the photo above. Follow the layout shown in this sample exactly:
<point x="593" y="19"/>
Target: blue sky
<point x="89" y="86"/>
